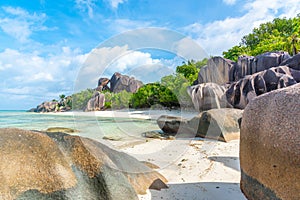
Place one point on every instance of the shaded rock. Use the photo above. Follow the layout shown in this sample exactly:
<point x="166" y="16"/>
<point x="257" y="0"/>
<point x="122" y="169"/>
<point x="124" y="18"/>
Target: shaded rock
<point x="36" y="165"/>
<point x="240" y="93"/>
<point x="152" y="134"/>
<point x="270" y="146"/>
<point x="103" y="84"/>
<point x="61" y="129"/>
<point x="112" y="137"/>
<point x="248" y="65"/>
<point x="170" y="124"/>
<point x="119" y="82"/>
<point x="96" y="102"/>
<point x="208" y="96"/>
<point x="293" y="62"/>
<point x="220" y="124"/>
<point x="218" y="70"/>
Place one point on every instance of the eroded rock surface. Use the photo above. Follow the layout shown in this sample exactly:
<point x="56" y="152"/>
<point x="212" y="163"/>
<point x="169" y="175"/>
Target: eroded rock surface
<point x="36" y="165"/>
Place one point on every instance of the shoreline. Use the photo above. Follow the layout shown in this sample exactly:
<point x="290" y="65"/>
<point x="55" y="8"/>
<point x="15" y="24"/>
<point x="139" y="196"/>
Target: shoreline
<point x="128" y="113"/>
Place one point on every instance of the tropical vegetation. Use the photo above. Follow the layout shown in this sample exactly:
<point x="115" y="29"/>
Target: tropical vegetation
<point x="281" y="34"/>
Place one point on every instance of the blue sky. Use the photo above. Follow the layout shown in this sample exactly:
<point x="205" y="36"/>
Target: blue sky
<point x="45" y="45"/>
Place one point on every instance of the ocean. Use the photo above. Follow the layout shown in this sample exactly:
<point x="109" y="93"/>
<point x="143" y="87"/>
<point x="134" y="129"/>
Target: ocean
<point x="123" y="129"/>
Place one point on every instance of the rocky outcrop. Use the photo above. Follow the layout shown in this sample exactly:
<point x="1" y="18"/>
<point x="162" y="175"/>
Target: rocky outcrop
<point x="293" y="62"/>
<point x="96" y="102"/>
<point x="170" y="124"/>
<point x="269" y="146"/>
<point x="208" y="96"/>
<point x="240" y="93"/>
<point x="119" y="82"/>
<point x="218" y="70"/>
<point x="103" y="84"/>
<point x="47" y="106"/>
<point x="36" y="165"/>
<point x="219" y="124"/>
<point x="248" y="65"/>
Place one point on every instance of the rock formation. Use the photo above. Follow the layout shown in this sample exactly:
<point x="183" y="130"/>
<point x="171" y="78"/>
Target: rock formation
<point x="248" y="65"/>
<point x="218" y="70"/>
<point x="247" y="79"/>
<point x="47" y="106"/>
<point x="240" y="93"/>
<point x="36" y="165"/>
<point x="220" y="124"/>
<point x="96" y="102"/>
<point x="119" y="82"/>
<point x="270" y="146"/>
<point x="208" y="96"/>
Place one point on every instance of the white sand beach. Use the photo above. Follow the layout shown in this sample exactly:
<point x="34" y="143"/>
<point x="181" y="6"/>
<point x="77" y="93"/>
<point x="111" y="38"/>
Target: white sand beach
<point x="199" y="169"/>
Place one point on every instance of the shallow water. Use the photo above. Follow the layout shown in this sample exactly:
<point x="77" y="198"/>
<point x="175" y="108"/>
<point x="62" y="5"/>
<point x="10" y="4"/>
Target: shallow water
<point x="93" y="127"/>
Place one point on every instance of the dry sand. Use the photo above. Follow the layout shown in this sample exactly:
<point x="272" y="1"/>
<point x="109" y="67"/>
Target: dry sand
<point x="197" y="169"/>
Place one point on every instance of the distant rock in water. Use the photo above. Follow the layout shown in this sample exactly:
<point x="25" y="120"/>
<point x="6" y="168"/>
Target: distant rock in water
<point x="61" y="129"/>
<point x="37" y="165"/>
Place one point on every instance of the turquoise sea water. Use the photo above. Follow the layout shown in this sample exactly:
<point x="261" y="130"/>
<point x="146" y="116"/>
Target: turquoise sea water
<point x="89" y="126"/>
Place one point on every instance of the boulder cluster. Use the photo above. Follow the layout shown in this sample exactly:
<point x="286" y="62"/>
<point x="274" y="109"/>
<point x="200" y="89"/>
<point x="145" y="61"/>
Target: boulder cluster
<point x="223" y="83"/>
<point x="117" y="83"/>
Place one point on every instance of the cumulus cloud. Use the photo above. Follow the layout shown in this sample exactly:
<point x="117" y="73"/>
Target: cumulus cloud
<point x="104" y="61"/>
<point x="20" y="24"/>
<point x="36" y="76"/>
<point x="218" y="36"/>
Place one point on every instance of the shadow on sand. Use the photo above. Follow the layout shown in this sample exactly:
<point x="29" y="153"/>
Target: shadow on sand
<point x="200" y="191"/>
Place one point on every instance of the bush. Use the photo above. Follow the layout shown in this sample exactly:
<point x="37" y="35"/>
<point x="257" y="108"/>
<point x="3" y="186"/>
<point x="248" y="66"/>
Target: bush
<point x="152" y="94"/>
<point x="80" y="99"/>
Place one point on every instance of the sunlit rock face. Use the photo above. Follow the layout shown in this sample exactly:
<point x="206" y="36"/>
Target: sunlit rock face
<point x="270" y="146"/>
<point x="37" y="165"/>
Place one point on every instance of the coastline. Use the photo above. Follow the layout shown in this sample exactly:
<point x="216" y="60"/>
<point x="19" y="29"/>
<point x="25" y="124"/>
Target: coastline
<point x="195" y="168"/>
<point x="127" y="113"/>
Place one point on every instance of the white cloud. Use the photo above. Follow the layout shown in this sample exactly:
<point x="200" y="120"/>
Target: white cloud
<point x="229" y="2"/>
<point x="36" y="76"/>
<point x="220" y="35"/>
<point x="115" y="3"/>
<point x="132" y="60"/>
<point x="20" y="24"/>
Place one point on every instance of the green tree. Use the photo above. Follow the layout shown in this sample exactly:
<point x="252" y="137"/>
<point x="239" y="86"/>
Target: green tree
<point x="280" y="34"/>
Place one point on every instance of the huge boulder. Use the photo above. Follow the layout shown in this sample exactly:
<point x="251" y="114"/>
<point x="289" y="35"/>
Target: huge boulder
<point x="219" y="124"/>
<point x="270" y="146"/>
<point x="248" y="65"/>
<point x="119" y="82"/>
<point x="240" y="93"/>
<point x="207" y="96"/>
<point x="36" y="165"/>
<point x="96" y="102"/>
<point x="218" y="70"/>
<point x="293" y="62"/>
